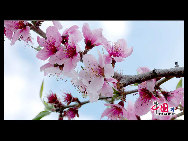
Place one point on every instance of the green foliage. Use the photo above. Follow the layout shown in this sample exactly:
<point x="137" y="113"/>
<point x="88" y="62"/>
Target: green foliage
<point x="37" y="48"/>
<point x="115" y="91"/>
<point x="48" y="106"/>
<point x="116" y="95"/>
<point x="41" y="115"/>
<point x="179" y="85"/>
<point x="41" y="89"/>
<point x="136" y="84"/>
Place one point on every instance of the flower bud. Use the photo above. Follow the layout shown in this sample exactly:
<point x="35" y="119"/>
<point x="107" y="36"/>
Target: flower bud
<point x="52" y="98"/>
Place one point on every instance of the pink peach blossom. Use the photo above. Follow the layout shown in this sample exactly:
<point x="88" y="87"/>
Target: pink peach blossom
<point x="51" y="69"/>
<point x="118" y="51"/>
<point x="92" y="37"/>
<point x="146" y="94"/>
<point x="106" y="89"/>
<point x="115" y="112"/>
<point x="71" y="34"/>
<point x="67" y="56"/>
<point x="174" y="98"/>
<point x="51" y="45"/>
<point x="15" y="30"/>
<point x="95" y="76"/>
<point x="57" y="24"/>
<point x="131" y="115"/>
<point x="55" y="69"/>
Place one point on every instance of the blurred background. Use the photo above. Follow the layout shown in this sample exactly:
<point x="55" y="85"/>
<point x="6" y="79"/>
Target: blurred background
<point x="156" y="44"/>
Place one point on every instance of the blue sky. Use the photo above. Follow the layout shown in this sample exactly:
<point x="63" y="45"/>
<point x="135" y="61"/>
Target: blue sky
<point x="156" y="44"/>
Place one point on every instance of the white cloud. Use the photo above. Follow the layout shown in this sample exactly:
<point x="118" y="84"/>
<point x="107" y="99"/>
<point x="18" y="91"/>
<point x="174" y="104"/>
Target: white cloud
<point x="21" y="91"/>
<point x="13" y="88"/>
<point x="114" y="30"/>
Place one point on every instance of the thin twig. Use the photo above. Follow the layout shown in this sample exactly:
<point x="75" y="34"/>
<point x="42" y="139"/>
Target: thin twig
<point x="100" y="98"/>
<point x="161" y="81"/>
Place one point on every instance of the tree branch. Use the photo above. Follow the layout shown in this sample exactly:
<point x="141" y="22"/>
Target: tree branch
<point x="178" y="115"/>
<point x="126" y="80"/>
<point x="161" y="81"/>
<point x="37" y="30"/>
<point x="100" y="98"/>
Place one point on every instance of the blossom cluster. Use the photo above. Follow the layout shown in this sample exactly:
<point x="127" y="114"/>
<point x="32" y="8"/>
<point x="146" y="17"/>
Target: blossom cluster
<point x="58" y="105"/>
<point x="96" y="77"/>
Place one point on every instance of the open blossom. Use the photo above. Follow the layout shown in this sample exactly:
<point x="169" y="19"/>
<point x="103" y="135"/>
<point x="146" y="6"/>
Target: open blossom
<point x="174" y="98"/>
<point x="71" y="34"/>
<point x="67" y="56"/>
<point x="118" y="51"/>
<point x="93" y="37"/>
<point x="51" y="44"/>
<point x="57" y="24"/>
<point x="131" y="115"/>
<point x="15" y="30"/>
<point x="63" y="57"/>
<point x="77" y="82"/>
<point x="115" y="112"/>
<point x="51" y="69"/>
<point x="146" y="94"/>
<point x="106" y="89"/>
<point x="94" y="75"/>
<point x="55" y="69"/>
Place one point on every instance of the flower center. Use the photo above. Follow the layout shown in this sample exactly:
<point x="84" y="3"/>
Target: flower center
<point x="89" y="45"/>
<point x="70" y="51"/>
<point x="98" y="72"/>
<point x="20" y="25"/>
<point x="145" y="94"/>
<point x="53" y="49"/>
<point x="101" y="71"/>
<point x="116" y="112"/>
<point x="115" y="51"/>
<point x="65" y="39"/>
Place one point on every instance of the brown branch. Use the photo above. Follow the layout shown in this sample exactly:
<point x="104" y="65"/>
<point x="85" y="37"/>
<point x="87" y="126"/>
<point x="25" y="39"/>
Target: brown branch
<point x="84" y="102"/>
<point x="131" y="91"/>
<point x="178" y="115"/>
<point x="161" y="81"/>
<point x="100" y="98"/>
<point x="37" y="30"/>
<point x="126" y="80"/>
